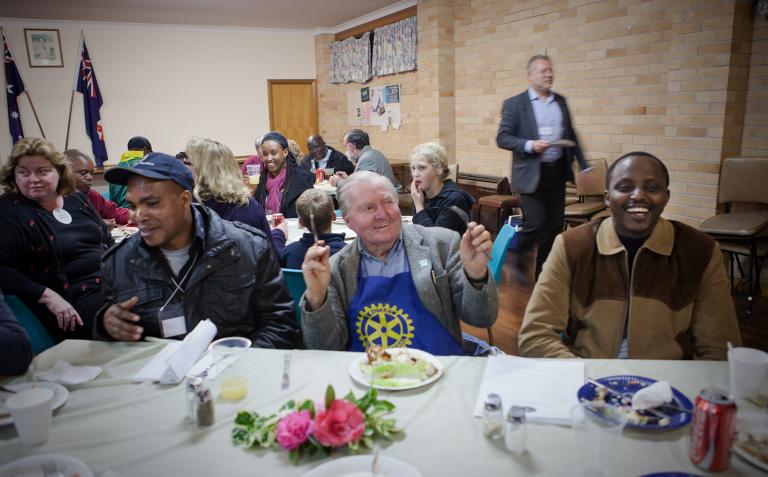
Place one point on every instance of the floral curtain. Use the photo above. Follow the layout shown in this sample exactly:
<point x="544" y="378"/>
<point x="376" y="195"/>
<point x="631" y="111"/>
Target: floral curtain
<point x="351" y="60"/>
<point x="395" y="47"/>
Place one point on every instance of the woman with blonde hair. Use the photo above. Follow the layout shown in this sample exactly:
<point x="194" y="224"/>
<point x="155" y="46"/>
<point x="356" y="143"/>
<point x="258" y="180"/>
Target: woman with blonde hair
<point x="219" y="186"/>
<point x="433" y="193"/>
<point x="52" y="240"/>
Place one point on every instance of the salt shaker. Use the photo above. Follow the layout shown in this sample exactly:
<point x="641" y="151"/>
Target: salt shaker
<point x="514" y="437"/>
<point x="200" y="400"/>
<point x="493" y="417"/>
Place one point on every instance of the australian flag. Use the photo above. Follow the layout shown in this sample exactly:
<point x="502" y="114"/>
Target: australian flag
<point x="14" y="86"/>
<point x="87" y="85"/>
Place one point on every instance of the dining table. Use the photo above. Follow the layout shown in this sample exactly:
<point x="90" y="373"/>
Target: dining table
<point x="120" y="427"/>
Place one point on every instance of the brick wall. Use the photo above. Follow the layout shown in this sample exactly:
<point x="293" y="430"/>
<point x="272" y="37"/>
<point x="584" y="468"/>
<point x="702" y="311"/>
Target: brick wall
<point x="755" y="139"/>
<point x="668" y="77"/>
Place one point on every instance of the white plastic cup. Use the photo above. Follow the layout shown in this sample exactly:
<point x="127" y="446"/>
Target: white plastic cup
<point x="254" y="171"/>
<point x="748" y="368"/>
<point x="233" y="374"/>
<point x="596" y="431"/>
<point x="32" y="413"/>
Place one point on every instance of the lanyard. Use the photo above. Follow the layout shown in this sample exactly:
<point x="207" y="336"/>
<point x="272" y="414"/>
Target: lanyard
<point x="179" y="284"/>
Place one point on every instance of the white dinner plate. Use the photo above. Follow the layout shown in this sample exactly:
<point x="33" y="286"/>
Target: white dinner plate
<point x="360" y="466"/>
<point x="358" y="375"/>
<point x="33" y="465"/>
<point x="60" y="396"/>
<point x="756" y="423"/>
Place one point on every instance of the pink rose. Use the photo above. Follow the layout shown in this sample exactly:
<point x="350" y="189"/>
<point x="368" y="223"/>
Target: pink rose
<point x="294" y="429"/>
<point x="339" y="425"/>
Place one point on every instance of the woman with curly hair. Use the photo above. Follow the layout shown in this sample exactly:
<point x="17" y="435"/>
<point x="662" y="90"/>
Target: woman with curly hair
<point x="219" y="186"/>
<point x="51" y="242"/>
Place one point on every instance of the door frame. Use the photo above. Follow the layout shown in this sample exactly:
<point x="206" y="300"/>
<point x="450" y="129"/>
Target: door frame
<point x="313" y="82"/>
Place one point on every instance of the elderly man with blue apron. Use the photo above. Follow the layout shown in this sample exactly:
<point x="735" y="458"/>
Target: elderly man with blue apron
<point x="396" y="285"/>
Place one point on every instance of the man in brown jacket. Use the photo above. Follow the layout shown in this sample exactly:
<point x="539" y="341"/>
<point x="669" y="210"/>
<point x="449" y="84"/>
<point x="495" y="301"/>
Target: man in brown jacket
<point x="634" y="285"/>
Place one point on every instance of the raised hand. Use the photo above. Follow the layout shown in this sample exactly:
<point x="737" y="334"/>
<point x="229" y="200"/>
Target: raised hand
<point x="417" y="195"/>
<point x="475" y="251"/>
<point x="317" y="274"/>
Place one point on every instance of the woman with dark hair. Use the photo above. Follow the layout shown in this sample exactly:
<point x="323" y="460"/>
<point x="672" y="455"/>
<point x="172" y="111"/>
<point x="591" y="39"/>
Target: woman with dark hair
<point x="282" y="180"/>
<point x="52" y="240"/>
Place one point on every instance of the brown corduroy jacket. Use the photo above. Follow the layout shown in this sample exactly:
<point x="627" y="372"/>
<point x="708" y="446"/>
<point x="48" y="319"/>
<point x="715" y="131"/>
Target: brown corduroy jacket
<point x="677" y="302"/>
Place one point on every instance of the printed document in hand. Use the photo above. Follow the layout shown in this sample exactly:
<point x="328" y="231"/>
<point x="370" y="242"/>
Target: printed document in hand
<point x="548" y="385"/>
<point x="173" y="363"/>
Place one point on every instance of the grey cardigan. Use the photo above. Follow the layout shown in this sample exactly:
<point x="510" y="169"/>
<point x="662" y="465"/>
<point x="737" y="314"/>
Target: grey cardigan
<point x="450" y="297"/>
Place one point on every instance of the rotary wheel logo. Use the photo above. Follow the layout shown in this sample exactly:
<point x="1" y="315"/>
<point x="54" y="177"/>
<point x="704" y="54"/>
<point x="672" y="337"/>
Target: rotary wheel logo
<point x="386" y="325"/>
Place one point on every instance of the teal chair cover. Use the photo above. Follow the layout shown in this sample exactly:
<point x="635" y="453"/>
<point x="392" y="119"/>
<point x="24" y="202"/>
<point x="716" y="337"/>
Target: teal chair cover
<point x="38" y="335"/>
<point x="499" y="251"/>
<point x="294" y="280"/>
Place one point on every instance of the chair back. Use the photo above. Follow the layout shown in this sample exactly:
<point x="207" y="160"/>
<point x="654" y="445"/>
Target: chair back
<point x="38" y="335"/>
<point x="742" y="179"/>
<point x="499" y="251"/>
<point x="453" y="172"/>
<point x="294" y="280"/>
<point x="592" y="184"/>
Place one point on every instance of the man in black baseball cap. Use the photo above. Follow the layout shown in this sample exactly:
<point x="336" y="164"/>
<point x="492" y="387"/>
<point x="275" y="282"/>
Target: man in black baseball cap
<point x="186" y="265"/>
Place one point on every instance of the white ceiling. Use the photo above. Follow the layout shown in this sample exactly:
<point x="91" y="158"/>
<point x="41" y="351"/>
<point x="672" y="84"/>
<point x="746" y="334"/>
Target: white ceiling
<point x="288" y="14"/>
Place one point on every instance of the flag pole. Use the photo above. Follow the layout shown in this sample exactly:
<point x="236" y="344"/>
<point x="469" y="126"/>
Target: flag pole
<point x="35" y="113"/>
<point x="72" y="96"/>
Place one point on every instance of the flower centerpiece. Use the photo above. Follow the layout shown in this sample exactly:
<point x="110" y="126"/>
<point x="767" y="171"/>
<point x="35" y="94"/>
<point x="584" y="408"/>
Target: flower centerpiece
<point x="309" y="427"/>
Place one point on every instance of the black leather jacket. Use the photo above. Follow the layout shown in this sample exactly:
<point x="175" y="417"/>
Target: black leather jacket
<point x="236" y="282"/>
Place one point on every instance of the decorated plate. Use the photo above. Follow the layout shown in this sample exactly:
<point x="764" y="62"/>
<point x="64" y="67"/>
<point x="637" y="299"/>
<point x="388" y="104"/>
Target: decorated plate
<point x="60" y="396"/>
<point x="360" y="466"/>
<point x="33" y="465"/>
<point x="751" y="441"/>
<point x="640" y="419"/>
<point x="360" y="371"/>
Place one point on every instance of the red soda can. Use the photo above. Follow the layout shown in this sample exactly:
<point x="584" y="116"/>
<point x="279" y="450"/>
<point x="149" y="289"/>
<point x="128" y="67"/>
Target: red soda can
<point x="712" y="429"/>
<point x="277" y="218"/>
<point x="319" y="175"/>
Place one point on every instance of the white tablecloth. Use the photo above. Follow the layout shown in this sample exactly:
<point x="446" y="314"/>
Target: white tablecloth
<point x="141" y="429"/>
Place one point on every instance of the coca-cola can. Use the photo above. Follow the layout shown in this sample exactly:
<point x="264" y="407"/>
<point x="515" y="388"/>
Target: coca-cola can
<point x="712" y="429"/>
<point x="319" y="175"/>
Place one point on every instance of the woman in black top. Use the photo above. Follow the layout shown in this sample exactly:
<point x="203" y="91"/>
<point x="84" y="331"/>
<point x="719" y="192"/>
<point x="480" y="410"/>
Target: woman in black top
<point x="51" y="240"/>
<point x="282" y="180"/>
<point x="433" y="193"/>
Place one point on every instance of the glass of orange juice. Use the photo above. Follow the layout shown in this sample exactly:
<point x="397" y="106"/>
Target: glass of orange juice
<point x="254" y="171"/>
<point x="227" y="357"/>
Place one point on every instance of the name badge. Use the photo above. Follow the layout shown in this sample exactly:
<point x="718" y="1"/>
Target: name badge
<point x="546" y="131"/>
<point x="172" y="322"/>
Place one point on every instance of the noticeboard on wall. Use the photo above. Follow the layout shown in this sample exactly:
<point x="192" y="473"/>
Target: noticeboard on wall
<point x="374" y="106"/>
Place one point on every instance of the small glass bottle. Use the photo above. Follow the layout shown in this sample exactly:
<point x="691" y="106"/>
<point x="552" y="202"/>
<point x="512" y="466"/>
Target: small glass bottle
<point x="514" y="437"/>
<point x="200" y="400"/>
<point x="493" y="417"/>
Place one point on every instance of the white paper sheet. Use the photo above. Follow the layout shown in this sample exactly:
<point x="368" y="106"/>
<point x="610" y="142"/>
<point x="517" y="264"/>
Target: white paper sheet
<point x="176" y="359"/>
<point x="549" y="386"/>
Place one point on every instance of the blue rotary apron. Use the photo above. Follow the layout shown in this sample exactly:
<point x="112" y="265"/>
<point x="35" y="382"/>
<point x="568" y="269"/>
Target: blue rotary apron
<point x="388" y="312"/>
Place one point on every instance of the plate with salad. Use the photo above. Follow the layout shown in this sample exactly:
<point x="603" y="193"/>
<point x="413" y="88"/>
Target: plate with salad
<point x="396" y="369"/>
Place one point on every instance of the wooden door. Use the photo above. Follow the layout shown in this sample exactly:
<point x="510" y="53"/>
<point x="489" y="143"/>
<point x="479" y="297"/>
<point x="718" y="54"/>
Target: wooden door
<point x="293" y="109"/>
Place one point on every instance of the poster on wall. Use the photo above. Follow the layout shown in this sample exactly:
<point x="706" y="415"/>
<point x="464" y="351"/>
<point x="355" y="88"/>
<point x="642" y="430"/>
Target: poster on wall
<point x="374" y="106"/>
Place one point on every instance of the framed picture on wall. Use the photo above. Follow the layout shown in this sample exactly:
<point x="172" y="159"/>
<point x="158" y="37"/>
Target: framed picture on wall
<point x="43" y="48"/>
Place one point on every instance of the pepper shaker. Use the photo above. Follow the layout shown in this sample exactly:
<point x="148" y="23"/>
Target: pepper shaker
<point x="493" y="417"/>
<point x="200" y="401"/>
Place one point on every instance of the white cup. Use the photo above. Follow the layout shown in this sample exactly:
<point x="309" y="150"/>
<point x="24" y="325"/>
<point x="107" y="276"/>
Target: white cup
<point x="748" y="368"/>
<point x="31" y="412"/>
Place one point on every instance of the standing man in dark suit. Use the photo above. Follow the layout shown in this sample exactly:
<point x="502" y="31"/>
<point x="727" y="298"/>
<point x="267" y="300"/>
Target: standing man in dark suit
<point x="530" y="122"/>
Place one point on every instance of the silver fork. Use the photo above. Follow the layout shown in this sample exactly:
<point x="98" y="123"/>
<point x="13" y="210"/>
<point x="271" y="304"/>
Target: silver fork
<point x="286" y="381"/>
